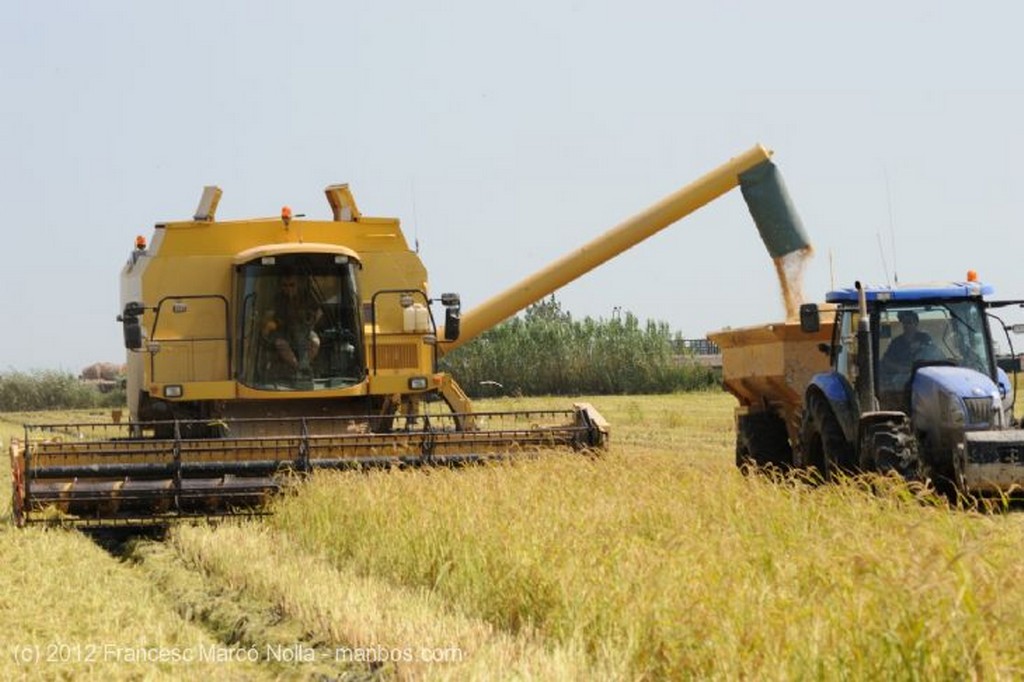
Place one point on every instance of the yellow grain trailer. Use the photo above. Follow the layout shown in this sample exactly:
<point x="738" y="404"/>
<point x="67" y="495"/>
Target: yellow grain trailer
<point x="767" y="368"/>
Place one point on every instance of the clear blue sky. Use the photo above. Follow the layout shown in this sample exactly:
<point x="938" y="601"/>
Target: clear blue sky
<point x="505" y="134"/>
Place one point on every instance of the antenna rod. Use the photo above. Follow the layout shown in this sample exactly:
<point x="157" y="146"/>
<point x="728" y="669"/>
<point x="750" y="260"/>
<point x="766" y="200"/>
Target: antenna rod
<point x="892" y="228"/>
<point x="881" y="254"/>
<point x="415" y="216"/>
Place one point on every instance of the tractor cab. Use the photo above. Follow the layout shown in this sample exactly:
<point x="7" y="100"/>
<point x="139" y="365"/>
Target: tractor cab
<point x="912" y="328"/>
<point x="914" y="388"/>
<point x="914" y="335"/>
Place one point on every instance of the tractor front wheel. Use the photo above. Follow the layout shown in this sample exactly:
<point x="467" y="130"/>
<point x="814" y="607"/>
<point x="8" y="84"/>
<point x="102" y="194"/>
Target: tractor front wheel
<point x="890" y="446"/>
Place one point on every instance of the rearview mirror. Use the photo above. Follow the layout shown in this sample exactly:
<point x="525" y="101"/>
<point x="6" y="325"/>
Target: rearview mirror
<point x="131" y="326"/>
<point x="452" y="316"/>
<point x="1009" y="363"/>
<point x="452" y="320"/>
<point x="1017" y="328"/>
<point x="132" y="334"/>
<point x="810" y="322"/>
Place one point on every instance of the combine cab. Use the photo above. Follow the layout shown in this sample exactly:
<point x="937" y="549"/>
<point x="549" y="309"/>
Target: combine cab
<point x="263" y="348"/>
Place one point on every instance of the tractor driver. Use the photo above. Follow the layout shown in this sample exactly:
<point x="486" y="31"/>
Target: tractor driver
<point x="289" y="326"/>
<point x="908" y="347"/>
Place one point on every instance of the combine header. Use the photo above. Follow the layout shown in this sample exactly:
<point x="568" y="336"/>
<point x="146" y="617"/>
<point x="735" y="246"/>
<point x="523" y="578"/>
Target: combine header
<point x="262" y="348"/>
<point x="105" y="475"/>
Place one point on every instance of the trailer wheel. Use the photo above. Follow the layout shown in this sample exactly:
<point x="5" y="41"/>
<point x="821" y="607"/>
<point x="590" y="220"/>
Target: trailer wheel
<point x="890" y="446"/>
<point x="762" y="440"/>
<point x="824" y="443"/>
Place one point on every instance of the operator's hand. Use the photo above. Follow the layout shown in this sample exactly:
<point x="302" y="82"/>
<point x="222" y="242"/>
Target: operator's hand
<point x="312" y="317"/>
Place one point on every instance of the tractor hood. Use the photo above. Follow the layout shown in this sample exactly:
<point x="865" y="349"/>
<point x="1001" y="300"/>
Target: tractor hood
<point x="955" y="397"/>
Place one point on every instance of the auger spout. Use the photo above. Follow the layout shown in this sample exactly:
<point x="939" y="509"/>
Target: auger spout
<point x="763" y="190"/>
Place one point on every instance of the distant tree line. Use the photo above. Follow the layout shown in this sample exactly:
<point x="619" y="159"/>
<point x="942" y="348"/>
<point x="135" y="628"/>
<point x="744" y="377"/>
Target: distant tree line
<point x="52" y="390"/>
<point x="546" y="352"/>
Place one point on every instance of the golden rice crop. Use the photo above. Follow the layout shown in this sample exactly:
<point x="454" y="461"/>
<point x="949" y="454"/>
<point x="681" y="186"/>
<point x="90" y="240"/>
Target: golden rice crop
<point x="70" y="610"/>
<point x="657" y="560"/>
<point x="675" y="565"/>
<point x="412" y="633"/>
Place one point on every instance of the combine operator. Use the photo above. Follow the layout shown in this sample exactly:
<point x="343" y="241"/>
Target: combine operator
<point x="289" y="327"/>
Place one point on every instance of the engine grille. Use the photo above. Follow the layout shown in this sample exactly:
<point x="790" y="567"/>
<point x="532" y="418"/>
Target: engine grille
<point x="979" y="410"/>
<point x="397" y="356"/>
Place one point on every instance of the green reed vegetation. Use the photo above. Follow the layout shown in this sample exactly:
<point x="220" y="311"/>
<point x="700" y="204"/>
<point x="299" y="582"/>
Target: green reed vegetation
<point x="546" y="352"/>
<point x="52" y="390"/>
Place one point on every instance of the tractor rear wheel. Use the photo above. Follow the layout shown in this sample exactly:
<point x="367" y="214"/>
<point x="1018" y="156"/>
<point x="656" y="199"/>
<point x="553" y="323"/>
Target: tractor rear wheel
<point x="824" y="444"/>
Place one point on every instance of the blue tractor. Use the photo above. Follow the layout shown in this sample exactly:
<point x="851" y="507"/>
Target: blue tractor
<point x="914" y="387"/>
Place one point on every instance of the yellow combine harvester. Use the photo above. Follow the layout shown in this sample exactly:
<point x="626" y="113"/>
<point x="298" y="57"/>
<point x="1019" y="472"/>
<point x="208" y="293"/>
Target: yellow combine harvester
<point x="259" y="348"/>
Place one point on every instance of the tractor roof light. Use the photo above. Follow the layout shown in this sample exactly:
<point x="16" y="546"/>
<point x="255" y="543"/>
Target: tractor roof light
<point x="972" y="275"/>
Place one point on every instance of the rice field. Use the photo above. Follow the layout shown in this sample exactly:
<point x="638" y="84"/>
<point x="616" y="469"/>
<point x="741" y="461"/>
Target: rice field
<point x="655" y="561"/>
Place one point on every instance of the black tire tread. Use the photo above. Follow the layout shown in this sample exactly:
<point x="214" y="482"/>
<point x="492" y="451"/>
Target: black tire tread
<point x="890" y="446"/>
<point x="821" y="429"/>
<point x="762" y="440"/>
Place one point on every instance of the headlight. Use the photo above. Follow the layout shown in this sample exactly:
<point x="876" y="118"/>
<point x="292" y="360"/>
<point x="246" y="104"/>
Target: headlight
<point x="998" y="416"/>
<point x="953" y="414"/>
